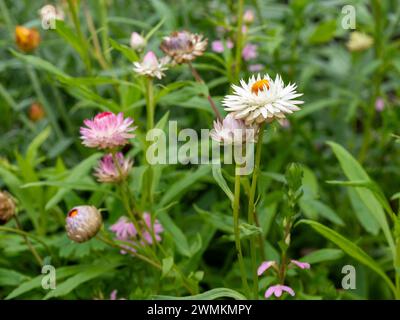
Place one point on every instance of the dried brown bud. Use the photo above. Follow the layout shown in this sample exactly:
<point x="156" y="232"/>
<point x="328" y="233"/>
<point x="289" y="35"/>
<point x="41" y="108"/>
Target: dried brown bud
<point x="7" y="207"/>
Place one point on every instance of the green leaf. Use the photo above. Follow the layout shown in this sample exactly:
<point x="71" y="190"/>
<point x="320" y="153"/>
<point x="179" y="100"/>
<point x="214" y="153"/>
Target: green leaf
<point x="75" y="175"/>
<point x="217" y="174"/>
<point x="354" y="172"/>
<point x="323" y="32"/>
<point x="351" y="249"/>
<point x="213" y="294"/>
<point x="34" y="146"/>
<point x="82" y="276"/>
<point x="129" y="53"/>
<point x="322" y="256"/>
<point x="179" y="188"/>
<point x="10" y="277"/>
<point x="167" y="264"/>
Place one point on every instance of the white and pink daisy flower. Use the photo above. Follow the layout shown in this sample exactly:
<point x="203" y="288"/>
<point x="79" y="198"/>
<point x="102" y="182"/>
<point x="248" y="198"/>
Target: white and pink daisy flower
<point x="107" y="131"/>
<point x="151" y="66"/>
<point x="262" y="99"/>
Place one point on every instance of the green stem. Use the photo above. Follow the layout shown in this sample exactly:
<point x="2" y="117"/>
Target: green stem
<point x="104" y="30"/>
<point x="236" y="203"/>
<point x="150" y="125"/>
<point x="38" y="258"/>
<point x="239" y="40"/>
<point x="81" y="37"/>
<point x="251" y="214"/>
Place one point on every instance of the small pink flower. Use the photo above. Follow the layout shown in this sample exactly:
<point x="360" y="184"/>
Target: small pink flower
<point x="301" y="265"/>
<point x="249" y="52"/>
<point x="124" y="229"/>
<point x="256" y="67"/>
<point x="127" y="232"/>
<point x="277" y="290"/>
<point x="379" y="105"/>
<point x="248" y="16"/>
<point x="107" y="131"/>
<point x="157" y="228"/>
<point x="218" y="45"/>
<point x="108" y="171"/>
<point x="265" y="266"/>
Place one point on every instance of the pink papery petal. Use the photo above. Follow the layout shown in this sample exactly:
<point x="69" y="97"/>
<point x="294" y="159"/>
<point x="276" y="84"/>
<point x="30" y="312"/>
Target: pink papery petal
<point x="277" y="290"/>
<point x="301" y="265"/>
<point x="264" y="266"/>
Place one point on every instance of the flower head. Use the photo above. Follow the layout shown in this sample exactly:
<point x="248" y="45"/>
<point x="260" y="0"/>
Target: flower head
<point x="150" y="66"/>
<point x="7" y="207"/>
<point x="265" y="266"/>
<point x="248" y="16"/>
<point x="219" y="47"/>
<point x="233" y="131"/>
<point x="379" y="104"/>
<point x="262" y="100"/>
<point x="301" y="265"/>
<point x="109" y="171"/>
<point x="83" y="223"/>
<point x="183" y="46"/>
<point x="124" y="229"/>
<point x="277" y="290"/>
<point x="152" y="226"/>
<point x="137" y="42"/>
<point x="49" y="13"/>
<point x="27" y="39"/>
<point x="107" y="131"/>
<point x="256" y="67"/>
<point x="249" y="52"/>
<point x="359" y="41"/>
<point x="36" y="112"/>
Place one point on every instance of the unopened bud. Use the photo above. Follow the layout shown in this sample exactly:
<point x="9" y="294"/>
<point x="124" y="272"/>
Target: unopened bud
<point x="83" y="223"/>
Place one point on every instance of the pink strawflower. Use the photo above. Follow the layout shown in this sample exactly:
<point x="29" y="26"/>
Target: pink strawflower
<point x="124" y="229"/>
<point x="108" y="171"/>
<point x="107" y="131"/>
<point x="264" y="266"/>
<point x="301" y="265"/>
<point x="127" y="232"/>
<point x="277" y="290"/>
<point x="249" y="52"/>
<point x="379" y="104"/>
<point x="157" y="228"/>
<point x="218" y="45"/>
<point x="256" y="67"/>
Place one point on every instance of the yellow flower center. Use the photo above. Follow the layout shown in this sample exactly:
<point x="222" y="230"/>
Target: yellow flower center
<point x="259" y="86"/>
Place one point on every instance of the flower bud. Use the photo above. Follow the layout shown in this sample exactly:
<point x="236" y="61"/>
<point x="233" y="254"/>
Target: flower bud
<point x="27" y="39"/>
<point x="83" y="223"/>
<point x="7" y="207"/>
<point x="248" y="17"/>
<point x="359" y="41"/>
<point x="36" y="112"/>
<point x="137" y="41"/>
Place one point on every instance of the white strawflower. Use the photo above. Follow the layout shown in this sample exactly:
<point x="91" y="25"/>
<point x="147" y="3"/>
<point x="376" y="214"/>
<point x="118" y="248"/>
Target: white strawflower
<point x="262" y="99"/>
<point x="232" y="131"/>
<point x="151" y="66"/>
